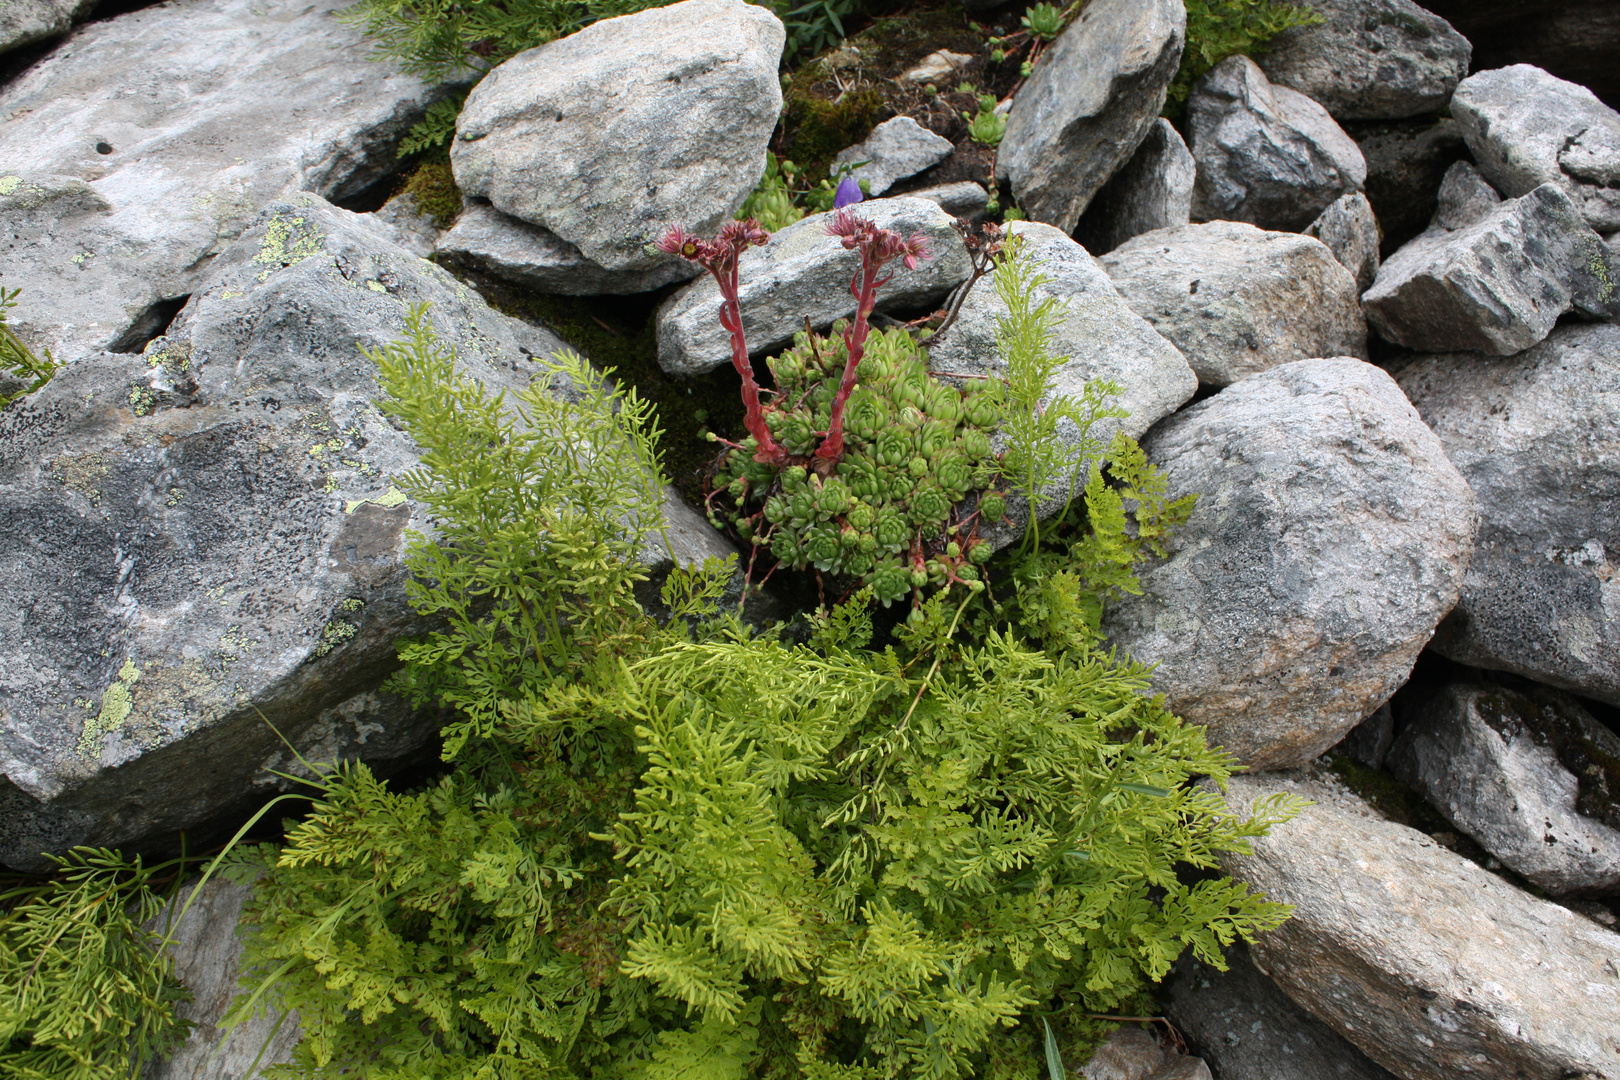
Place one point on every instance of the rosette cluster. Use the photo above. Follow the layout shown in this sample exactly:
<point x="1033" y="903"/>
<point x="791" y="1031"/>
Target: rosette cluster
<point x="915" y="449"/>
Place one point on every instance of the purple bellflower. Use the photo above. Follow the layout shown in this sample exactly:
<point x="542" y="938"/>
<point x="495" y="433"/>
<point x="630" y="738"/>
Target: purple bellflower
<point x="849" y="193"/>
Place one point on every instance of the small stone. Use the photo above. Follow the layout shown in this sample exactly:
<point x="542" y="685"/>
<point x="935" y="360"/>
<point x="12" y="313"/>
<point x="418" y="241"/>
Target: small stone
<point x="1370" y="59"/>
<point x="612" y="134"/>
<point x="896" y="149"/>
<point x="1499" y="285"/>
<point x="1090" y="102"/>
<point x="1433" y="967"/>
<point x="1152" y="191"/>
<point x="1531" y="776"/>
<point x="803" y="272"/>
<point x="1528" y="128"/>
<point x="1329" y="537"/>
<point x="1538" y="437"/>
<point x="936" y="67"/>
<point x="961" y="199"/>
<point x="485" y="239"/>
<point x="1238" y="300"/>
<point x="1266" y="154"/>
<point x="1128" y="1053"/>
<point x="1465" y="198"/>
<point x="1350" y="231"/>
<point x="404" y="223"/>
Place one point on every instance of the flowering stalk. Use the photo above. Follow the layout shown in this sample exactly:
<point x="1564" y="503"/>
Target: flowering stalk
<point x="878" y="247"/>
<point x="720" y="257"/>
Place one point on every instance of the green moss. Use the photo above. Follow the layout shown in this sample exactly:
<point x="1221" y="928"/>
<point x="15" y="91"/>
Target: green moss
<point x="433" y="186"/>
<point x="816" y="128"/>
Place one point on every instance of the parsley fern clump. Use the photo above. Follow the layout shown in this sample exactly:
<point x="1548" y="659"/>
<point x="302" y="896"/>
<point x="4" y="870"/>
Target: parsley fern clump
<point x="686" y="848"/>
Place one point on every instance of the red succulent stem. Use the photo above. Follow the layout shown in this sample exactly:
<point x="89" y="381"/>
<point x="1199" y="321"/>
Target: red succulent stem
<point x="753" y="413"/>
<point x="865" y="286"/>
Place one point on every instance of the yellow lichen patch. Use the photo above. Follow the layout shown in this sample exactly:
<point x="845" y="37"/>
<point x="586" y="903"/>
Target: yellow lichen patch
<point x="80" y="472"/>
<point x="8" y="184"/>
<point x="172" y="356"/>
<point x="285" y="243"/>
<point x="141" y="400"/>
<point x="116" y="703"/>
<point x="334" y="634"/>
<point x="388" y="499"/>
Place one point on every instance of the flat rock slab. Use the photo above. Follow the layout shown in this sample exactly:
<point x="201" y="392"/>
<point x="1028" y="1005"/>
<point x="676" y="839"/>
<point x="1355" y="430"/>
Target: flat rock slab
<point x="805" y="273"/>
<point x="1370" y="59"/>
<point x="1153" y="190"/>
<point x="1266" y="154"/>
<point x="610" y="135"/>
<point x="1237" y="300"/>
<point x="1527" y="775"/>
<point x="487" y="240"/>
<point x="1099" y="333"/>
<point x="896" y="149"/>
<point x="1499" y="285"/>
<point x="1330" y="536"/>
<point x="1090" y="102"/>
<point x="1538" y="437"/>
<point x="1350" y="231"/>
<point x="140" y="147"/>
<point x="1528" y="128"/>
<point x="1250" y="1030"/>
<point x="205" y="537"/>
<point x="1430" y="965"/>
<point x="23" y="22"/>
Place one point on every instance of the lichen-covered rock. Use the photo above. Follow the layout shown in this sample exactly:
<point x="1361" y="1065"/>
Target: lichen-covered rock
<point x="1330" y="536"/>
<point x="1370" y="59"/>
<point x="485" y="239"/>
<point x="1099" y="333"/>
<point x="207" y="953"/>
<point x="1153" y="190"/>
<point x="1531" y="776"/>
<point x="1498" y="285"/>
<point x="805" y="273"/>
<point x="1266" y="154"/>
<point x="1350" y="231"/>
<point x="610" y="135"/>
<point x="23" y="22"/>
<point x="133" y="153"/>
<point x="1250" y="1030"/>
<point x="1528" y="128"/>
<point x="1432" y="966"/>
<point x="1538" y="437"/>
<point x="1406" y="162"/>
<point x="203" y="538"/>
<point x="896" y="149"/>
<point x="1089" y="103"/>
<point x="1237" y="300"/>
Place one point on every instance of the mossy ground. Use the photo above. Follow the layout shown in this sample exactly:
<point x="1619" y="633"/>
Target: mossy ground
<point x="434" y="187"/>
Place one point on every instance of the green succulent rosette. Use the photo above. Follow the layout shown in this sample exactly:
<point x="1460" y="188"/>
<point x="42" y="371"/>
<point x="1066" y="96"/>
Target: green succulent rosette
<point x="915" y="448"/>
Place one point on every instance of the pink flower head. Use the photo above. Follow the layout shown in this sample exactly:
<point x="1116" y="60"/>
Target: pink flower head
<point x="720" y="254"/>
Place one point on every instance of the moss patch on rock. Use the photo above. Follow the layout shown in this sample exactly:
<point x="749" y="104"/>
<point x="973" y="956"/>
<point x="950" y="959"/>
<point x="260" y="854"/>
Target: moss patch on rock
<point x="433" y="186"/>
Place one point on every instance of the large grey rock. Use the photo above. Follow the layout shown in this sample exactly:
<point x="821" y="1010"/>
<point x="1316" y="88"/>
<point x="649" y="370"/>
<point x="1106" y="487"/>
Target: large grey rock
<point x="609" y="136"/>
<point x="485" y="239"/>
<point x="805" y="273"/>
<point x="1538" y="437"/>
<point x="1089" y="103"/>
<point x="1350" y="231"/>
<point x="1099" y="333"/>
<point x="1249" y="1030"/>
<point x="1330" y="536"/>
<point x="1430" y="965"/>
<point x="1499" y="285"/>
<point x="1465" y="198"/>
<point x="1528" y="128"/>
<point x="1405" y="165"/>
<point x="207" y="955"/>
<point x="138" y="149"/>
<point x="204" y="538"/>
<point x="961" y="199"/>
<point x="1266" y="154"/>
<point x="1238" y="300"/>
<point x="1370" y="59"/>
<point x="1527" y="775"/>
<point x="1152" y="191"/>
<point x="896" y="149"/>
<point x="23" y="22"/>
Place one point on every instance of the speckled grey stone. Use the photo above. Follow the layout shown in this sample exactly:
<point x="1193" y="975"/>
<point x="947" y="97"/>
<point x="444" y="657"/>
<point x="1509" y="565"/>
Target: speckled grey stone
<point x="1370" y="59"/>
<point x="1350" y="231"/>
<point x="1430" y="965"/>
<point x="1538" y="437"/>
<point x="1330" y="536"/>
<point x="1237" y="300"/>
<point x="23" y="22"/>
<point x="1528" y="128"/>
<point x="1266" y="154"/>
<point x="1089" y="103"/>
<point x="612" y="134"/>
<point x="897" y="148"/>
<point x="1153" y="190"/>
<point x="1497" y="763"/>
<point x="1465" y="198"/>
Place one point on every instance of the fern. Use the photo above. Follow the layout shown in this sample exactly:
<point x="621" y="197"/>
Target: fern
<point x="1217" y="29"/>
<point x="16" y="359"/>
<point x="435" y="129"/>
